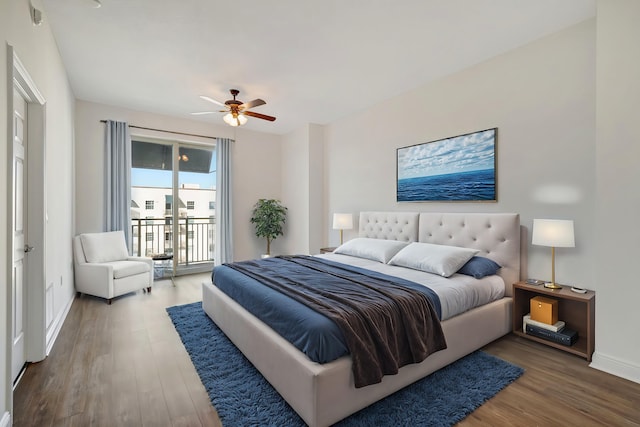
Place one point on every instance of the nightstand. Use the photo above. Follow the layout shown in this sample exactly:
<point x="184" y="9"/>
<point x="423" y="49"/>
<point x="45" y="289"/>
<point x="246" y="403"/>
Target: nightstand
<point x="577" y="311"/>
<point x="327" y="250"/>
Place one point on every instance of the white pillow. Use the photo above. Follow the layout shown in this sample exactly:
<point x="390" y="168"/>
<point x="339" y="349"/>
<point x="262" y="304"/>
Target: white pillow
<point x="438" y="259"/>
<point x="374" y="249"/>
<point x="104" y="247"/>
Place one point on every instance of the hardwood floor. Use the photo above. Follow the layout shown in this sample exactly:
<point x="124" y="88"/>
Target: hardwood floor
<point x="124" y="365"/>
<point x="557" y="389"/>
<point x="118" y="365"/>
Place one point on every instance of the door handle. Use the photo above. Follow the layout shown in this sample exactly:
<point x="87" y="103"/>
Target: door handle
<point x="28" y="248"/>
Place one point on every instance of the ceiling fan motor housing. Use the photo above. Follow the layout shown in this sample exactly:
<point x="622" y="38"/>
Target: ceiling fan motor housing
<point x="234" y="104"/>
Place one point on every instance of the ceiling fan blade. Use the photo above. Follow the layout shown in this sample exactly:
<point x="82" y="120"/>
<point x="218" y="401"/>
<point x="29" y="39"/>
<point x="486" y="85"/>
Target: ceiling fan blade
<point x="206" y="98"/>
<point x="258" y="115"/>
<point x="255" y="103"/>
<point x="200" y="113"/>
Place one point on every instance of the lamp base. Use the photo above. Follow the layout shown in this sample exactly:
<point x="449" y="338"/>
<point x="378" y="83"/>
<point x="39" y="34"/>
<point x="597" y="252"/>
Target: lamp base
<point x="552" y="285"/>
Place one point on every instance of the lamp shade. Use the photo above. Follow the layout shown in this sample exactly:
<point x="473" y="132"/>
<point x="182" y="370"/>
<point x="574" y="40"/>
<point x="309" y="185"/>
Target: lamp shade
<point x="557" y="233"/>
<point x="342" y="221"/>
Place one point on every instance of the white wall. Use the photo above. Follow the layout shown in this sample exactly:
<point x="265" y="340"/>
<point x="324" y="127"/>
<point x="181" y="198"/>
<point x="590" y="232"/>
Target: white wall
<point x="256" y="175"/>
<point x="618" y="175"/>
<point x="38" y="52"/>
<point x="541" y="97"/>
<point x="295" y="191"/>
<point x="256" y="163"/>
<point x="302" y="189"/>
<point x="317" y="215"/>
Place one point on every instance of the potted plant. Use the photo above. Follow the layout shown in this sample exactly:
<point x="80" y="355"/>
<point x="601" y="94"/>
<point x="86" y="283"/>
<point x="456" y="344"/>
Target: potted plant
<point x="269" y="217"/>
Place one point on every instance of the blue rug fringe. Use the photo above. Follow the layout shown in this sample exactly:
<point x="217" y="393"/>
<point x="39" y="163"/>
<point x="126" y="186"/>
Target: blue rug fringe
<point x="243" y="397"/>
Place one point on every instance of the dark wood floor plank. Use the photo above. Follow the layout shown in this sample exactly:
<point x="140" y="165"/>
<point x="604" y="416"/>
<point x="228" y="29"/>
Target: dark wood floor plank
<point x="124" y="364"/>
<point x="153" y="408"/>
<point x="37" y="402"/>
<point x="99" y="407"/>
<point x="207" y="414"/>
<point x="179" y="401"/>
<point x="124" y="395"/>
<point x="71" y="397"/>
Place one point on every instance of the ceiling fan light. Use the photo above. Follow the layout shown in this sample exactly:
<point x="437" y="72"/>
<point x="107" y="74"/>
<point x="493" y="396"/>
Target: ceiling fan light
<point x="239" y="120"/>
<point x="228" y="119"/>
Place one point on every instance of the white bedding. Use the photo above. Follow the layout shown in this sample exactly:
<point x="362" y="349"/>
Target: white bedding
<point x="458" y="293"/>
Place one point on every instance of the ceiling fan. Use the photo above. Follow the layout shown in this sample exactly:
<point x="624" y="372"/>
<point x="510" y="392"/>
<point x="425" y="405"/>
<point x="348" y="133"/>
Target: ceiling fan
<point x="236" y="110"/>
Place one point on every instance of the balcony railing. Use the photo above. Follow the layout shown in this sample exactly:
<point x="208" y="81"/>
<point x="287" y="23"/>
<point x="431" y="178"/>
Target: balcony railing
<point x="154" y="236"/>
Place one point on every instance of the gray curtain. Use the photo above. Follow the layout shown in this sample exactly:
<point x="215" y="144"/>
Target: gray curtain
<point x="224" y="224"/>
<point x="118" y="178"/>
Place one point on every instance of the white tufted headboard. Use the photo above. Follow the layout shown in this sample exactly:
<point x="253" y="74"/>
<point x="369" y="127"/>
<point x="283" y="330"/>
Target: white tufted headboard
<point x="496" y="235"/>
<point x="402" y="226"/>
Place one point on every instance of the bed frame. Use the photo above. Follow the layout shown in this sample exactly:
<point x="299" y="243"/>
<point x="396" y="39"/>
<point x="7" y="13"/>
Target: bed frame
<point x="323" y="394"/>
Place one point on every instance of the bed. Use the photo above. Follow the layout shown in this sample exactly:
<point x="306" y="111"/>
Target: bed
<point x="324" y="393"/>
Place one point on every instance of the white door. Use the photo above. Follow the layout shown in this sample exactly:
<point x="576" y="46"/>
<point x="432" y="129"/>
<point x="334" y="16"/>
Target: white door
<point x="19" y="260"/>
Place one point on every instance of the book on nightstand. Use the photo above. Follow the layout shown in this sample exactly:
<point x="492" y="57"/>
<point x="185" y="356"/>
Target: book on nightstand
<point x="556" y="327"/>
<point x="565" y="337"/>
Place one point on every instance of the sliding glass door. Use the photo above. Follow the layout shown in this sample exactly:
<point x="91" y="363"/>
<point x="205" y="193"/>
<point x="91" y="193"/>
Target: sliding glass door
<point x="197" y="219"/>
<point x="173" y="194"/>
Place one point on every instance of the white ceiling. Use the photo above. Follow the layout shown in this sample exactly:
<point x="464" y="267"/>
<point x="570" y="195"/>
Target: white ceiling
<point x="312" y="61"/>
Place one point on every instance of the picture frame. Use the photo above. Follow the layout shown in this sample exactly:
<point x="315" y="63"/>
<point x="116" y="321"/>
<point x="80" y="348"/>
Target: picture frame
<point x="456" y="169"/>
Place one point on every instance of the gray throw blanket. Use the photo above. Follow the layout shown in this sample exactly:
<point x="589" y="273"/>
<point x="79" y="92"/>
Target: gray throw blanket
<point x="385" y="325"/>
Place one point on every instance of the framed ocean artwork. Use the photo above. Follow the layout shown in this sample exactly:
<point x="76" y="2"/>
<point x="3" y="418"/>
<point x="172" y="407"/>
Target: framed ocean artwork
<point x="457" y="169"/>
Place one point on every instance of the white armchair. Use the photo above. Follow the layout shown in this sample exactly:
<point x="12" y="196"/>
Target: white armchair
<point x="103" y="267"/>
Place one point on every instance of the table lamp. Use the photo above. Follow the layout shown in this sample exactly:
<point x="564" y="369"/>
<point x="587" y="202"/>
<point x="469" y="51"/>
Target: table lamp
<point x="342" y="221"/>
<point x="557" y="233"/>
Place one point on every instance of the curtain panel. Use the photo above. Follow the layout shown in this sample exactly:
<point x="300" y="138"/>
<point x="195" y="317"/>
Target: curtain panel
<point x="118" y="178"/>
<point x="224" y="223"/>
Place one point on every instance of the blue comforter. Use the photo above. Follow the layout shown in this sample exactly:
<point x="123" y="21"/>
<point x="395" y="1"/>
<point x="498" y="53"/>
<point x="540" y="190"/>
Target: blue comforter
<point x="311" y="332"/>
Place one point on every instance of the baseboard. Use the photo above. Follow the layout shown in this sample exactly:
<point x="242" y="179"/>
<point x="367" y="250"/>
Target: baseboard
<point x="55" y="328"/>
<point x="5" y="421"/>
<point x="615" y="367"/>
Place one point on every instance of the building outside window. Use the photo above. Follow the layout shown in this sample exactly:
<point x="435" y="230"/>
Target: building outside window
<point x="190" y="225"/>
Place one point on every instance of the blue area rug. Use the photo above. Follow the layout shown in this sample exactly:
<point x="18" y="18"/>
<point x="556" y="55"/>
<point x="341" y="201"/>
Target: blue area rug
<point x="243" y="397"/>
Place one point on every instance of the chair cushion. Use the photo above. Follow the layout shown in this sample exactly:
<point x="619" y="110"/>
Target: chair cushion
<point x="128" y="268"/>
<point x="104" y="247"/>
